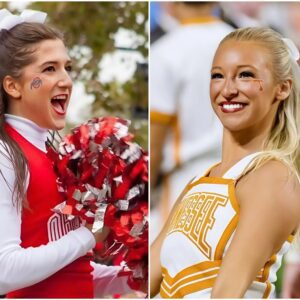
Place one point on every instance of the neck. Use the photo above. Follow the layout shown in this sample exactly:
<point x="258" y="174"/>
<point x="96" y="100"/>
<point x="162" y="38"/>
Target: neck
<point x="237" y="145"/>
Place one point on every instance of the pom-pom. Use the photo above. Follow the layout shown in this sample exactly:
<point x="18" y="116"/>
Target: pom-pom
<point x="103" y="176"/>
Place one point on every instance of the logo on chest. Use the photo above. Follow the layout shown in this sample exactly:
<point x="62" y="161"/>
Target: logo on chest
<point x="195" y="217"/>
<point x="58" y="225"/>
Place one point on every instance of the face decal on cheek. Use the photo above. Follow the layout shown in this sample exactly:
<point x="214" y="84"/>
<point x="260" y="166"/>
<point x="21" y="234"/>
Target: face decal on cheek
<point x="242" y="86"/>
<point x="36" y="83"/>
<point x="45" y="86"/>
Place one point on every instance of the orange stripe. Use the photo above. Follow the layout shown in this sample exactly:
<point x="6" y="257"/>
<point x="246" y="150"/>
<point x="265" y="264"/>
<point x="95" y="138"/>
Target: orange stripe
<point x="267" y="267"/>
<point x="232" y="197"/>
<point x="180" y="279"/>
<point x="189" y="289"/>
<point x="187" y="271"/>
<point x="199" y="20"/>
<point x="231" y="226"/>
<point x="162" y="118"/>
<point x="171" y="120"/>
<point x="184" y="281"/>
<point x="209" y="180"/>
<point x="265" y="276"/>
<point x="268" y="290"/>
<point x="290" y="238"/>
<point x="177" y="142"/>
<point x="225" y="237"/>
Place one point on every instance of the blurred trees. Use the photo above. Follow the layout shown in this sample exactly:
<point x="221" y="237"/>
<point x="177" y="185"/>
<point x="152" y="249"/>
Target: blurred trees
<point x="89" y="29"/>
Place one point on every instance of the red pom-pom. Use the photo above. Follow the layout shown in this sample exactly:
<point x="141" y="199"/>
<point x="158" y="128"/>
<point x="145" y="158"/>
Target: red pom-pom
<point x="104" y="178"/>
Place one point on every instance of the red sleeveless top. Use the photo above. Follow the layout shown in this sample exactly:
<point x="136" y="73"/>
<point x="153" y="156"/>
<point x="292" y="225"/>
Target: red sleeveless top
<point x="41" y="225"/>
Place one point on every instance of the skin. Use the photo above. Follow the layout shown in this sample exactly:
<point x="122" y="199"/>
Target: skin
<point x="46" y="77"/>
<point x="158" y="135"/>
<point x="244" y="131"/>
<point x="270" y="212"/>
<point x="36" y="83"/>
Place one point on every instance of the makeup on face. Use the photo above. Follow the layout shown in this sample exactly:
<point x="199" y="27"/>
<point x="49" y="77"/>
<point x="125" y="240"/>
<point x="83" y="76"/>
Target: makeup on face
<point x="46" y="86"/>
<point x="36" y="83"/>
<point x="242" y="86"/>
<point x="242" y="81"/>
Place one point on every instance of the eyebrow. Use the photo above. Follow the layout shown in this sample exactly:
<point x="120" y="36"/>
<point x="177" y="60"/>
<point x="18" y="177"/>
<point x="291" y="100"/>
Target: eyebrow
<point x="239" y="67"/>
<point x="69" y="61"/>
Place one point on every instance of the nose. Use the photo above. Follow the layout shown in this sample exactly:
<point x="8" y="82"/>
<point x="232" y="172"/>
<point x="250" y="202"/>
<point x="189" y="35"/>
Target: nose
<point x="65" y="80"/>
<point x="229" y="89"/>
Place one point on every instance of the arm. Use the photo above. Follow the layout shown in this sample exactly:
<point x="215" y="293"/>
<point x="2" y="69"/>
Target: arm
<point x="158" y="134"/>
<point x="268" y="214"/>
<point x="24" y="267"/>
<point x="163" y="107"/>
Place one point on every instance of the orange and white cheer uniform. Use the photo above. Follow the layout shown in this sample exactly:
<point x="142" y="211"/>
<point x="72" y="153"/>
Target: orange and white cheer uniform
<point x="199" y="235"/>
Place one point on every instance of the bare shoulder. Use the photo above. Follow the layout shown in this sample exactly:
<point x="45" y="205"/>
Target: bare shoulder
<point x="274" y="176"/>
<point x="272" y="185"/>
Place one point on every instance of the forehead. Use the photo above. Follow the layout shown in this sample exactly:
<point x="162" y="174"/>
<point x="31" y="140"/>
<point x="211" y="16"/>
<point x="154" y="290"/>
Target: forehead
<point x="50" y="50"/>
<point x="232" y="53"/>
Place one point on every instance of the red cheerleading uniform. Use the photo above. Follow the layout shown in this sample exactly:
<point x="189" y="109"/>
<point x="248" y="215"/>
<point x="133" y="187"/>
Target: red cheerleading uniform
<point x="40" y="225"/>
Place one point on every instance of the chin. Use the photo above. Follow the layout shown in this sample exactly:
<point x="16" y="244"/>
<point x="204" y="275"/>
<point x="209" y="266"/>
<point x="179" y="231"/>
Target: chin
<point x="58" y="125"/>
<point x="234" y="126"/>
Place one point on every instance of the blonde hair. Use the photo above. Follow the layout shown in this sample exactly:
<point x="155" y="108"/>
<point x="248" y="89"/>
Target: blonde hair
<point x="283" y="142"/>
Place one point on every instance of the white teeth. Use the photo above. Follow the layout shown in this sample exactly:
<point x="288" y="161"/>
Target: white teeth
<point x="60" y="97"/>
<point x="232" y="106"/>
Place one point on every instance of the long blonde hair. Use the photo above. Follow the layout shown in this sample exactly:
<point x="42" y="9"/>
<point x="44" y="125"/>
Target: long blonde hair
<point x="283" y="140"/>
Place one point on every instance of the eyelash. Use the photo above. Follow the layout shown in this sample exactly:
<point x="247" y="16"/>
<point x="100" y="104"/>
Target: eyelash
<point x="49" y="69"/>
<point x="246" y="74"/>
<point x="216" y="76"/>
<point x="52" y="69"/>
<point x="243" y="74"/>
<point x="69" y="69"/>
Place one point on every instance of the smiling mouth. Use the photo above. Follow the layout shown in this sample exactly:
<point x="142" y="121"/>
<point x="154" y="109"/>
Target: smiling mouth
<point x="59" y="104"/>
<point x="231" y="107"/>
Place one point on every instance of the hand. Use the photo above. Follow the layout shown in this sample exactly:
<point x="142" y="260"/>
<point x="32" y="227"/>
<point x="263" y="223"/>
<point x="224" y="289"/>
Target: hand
<point x="99" y="236"/>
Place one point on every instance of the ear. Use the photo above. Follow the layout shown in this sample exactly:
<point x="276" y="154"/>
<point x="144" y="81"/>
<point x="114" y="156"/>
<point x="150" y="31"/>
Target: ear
<point x="12" y="87"/>
<point x="284" y="90"/>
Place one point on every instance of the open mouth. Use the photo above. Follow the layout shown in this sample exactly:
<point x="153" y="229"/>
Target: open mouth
<point x="59" y="104"/>
<point x="230" y="107"/>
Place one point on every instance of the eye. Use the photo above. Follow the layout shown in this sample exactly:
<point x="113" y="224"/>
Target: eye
<point x="216" y="76"/>
<point x="69" y="68"/>
<point x="49" y="69"/>
<point x="246" y="74"/>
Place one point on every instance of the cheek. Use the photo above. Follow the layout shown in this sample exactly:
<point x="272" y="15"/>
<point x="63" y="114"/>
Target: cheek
<point x="252" y="89"/>
<point x="36" y="83"/>
<point x="41" y="81"/>
<point x="214" y="89"/>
